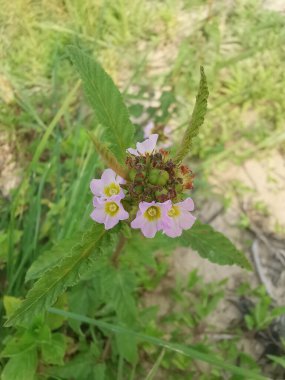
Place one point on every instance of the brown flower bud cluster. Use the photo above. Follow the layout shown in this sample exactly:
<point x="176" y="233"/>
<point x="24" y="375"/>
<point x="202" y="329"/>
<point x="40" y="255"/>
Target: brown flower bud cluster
<point x="155" y="177"/>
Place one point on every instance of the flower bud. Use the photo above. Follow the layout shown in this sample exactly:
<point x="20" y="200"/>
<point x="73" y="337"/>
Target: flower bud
<point x="158" y="193"/>
<point x="132" y="174"/>
<point x="178" y="188"/>
<point x="158" y="177"/>
<point x="139" y="189"/>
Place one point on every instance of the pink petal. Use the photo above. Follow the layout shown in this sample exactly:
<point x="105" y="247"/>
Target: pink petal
<point x="96" y="186"/>
<point x="122" y="214"/>
<point x="149" y="229"/>
<point x="133" y="151"/>
<point x="108" y="176"/>
<point x="98" y="202"/>
<point x="110" y="222"/>
<point x="145" y="205"/>
<point x="186" y="220"/>
<point x="148" y="145"/>
<point x="98" y="215"/>
<point x="120" y="180"/>
<point x="165" y="206"/>
<point x="164" y="222"/>
<point x="173" y="231"/>
<point x="138" y="221"/>
<point x="187" y="204"/>
<point x="148" y="128"/>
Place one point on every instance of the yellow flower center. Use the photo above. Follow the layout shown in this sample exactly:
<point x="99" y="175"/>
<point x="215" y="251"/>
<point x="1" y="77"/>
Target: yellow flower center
<point x="112" y="189"/>
<point x="111" y="208"/>
<point x="174" y="212"/>
<point x="152" y="213"/>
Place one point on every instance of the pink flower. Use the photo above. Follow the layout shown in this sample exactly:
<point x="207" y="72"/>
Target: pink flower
<point x="166" y="133"/>
<point x="108" y="186"/>
<point x="108" y="211"/>
<point x="146" y="146"/>
<point x="147" y="130"/>
<point x="181" y="218"/>
<point x="152" y="217"/>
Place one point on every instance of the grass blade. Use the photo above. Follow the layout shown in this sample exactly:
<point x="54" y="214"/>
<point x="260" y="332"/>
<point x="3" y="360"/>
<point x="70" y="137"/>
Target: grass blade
<point x="189" y="351"/>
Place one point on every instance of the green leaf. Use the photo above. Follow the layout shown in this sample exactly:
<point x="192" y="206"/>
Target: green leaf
<point x="213" y="245"/>
<point x="107" y="101"/>
<point x="141" y="250"/>
<point x="120" y="293"/>
<point x="117" y="288"/>
<point x="99" y="371"/>
<point x="18" y="345"/>
<point x="55" y="321"/>
<point x="51" y="257"/>
<point x="57" y="279"/>
<point x="197" y="118"/>
<point x="53" y="352"/>
<point x="79" y="367"/>
<point x="127" y="347"/>
<point x="21" y="367"/>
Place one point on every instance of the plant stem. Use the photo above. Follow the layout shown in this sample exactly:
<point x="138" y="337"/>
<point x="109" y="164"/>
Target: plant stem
<point x="116" y="254"/>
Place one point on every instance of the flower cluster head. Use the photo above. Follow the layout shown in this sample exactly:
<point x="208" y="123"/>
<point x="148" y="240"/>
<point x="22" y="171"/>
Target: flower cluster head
<point x="153" y="193"/>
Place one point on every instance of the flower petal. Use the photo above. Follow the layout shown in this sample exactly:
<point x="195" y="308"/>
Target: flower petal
<point x="122" y="214"/>
<point x="173" y="230"/>
<point x="149" y="229"/>
<point x="98" y="215"/>
<point x="96" y="186"/>
<point x="186" y="220"/>
<point x="148" y="145"/>
<point x="120" y="180"/>
<point x="147" y="129"/>
<point x="138" y="221"/>
<point x="110" y="222"/>
<point x="145" y="205"/>
<point x="133" y="151"/>
<point x="187" y="204"/>
<point x="108" y="176"/>
<point x="98" y="202"/>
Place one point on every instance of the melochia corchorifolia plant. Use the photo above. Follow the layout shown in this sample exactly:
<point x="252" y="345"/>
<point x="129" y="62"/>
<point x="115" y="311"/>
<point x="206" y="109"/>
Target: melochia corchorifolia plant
<point x="142" y="198"/>
<point x="154" y="191"/>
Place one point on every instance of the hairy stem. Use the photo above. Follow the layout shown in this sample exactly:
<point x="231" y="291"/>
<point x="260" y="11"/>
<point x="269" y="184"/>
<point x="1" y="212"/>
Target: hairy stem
<point x="118" y="250"/>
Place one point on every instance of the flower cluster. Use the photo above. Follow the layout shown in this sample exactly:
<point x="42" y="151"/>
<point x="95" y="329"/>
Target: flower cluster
<point x="152" y="193"/>
<point x="107" y="200"/>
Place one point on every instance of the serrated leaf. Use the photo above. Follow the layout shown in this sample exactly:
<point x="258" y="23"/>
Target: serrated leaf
<point x="121" y="297"/>
<point x="107" y="102"/>
<point x="51" y="257"/>
<point x="56" y="280"/>
<point x="213" y="245"/>
<point x="197" y="118"/>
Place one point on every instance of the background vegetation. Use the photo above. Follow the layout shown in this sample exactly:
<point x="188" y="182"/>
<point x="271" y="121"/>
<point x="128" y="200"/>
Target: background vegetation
<point x="153" y="51"/>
